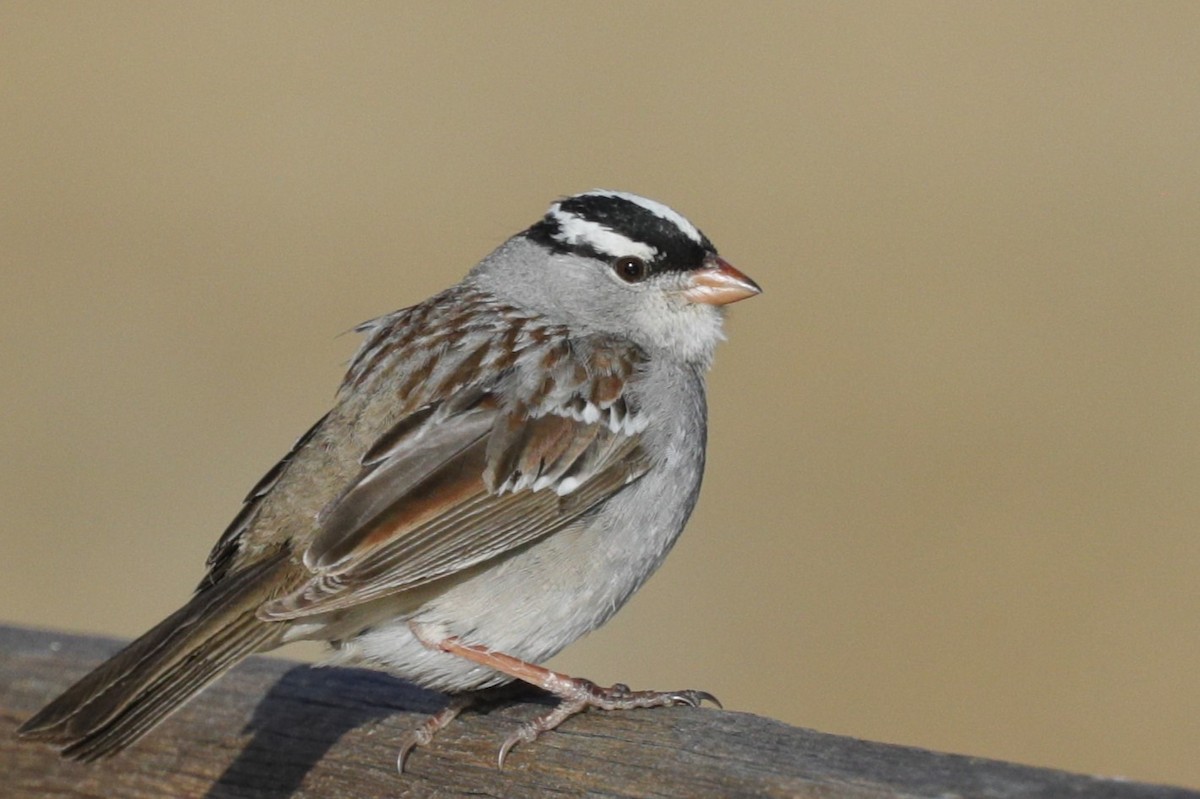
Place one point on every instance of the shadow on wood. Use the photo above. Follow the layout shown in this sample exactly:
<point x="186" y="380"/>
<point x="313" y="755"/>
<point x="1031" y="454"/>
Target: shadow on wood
<point x="271" y="729"/>
<point x="285" y="710"/>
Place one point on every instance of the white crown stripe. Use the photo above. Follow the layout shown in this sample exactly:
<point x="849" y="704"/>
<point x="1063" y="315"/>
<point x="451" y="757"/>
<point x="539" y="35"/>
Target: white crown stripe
<point x="656" y="208"/>
<point x="575" y="230"/>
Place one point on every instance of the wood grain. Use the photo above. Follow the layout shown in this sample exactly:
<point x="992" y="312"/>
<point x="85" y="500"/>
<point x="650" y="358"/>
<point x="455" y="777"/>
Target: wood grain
<point x="272" y="729"/>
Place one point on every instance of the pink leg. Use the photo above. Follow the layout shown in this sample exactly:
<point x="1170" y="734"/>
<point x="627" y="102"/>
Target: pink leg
<point x="575" y="694"/>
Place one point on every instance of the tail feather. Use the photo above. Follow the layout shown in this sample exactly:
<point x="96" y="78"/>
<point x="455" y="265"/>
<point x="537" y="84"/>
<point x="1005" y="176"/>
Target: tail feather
<point x="128" y="695"/>
<point x="161" y="698"/>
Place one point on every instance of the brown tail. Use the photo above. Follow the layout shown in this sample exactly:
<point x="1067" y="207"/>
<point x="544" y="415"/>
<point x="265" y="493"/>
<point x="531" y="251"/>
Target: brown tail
<point x="129" y="694"/>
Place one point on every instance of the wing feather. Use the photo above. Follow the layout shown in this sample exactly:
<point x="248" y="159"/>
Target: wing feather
<point x="467" y="477"/>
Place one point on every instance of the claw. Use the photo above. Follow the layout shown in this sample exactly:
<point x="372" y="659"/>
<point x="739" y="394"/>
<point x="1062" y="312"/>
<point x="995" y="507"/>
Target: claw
<point x="695" y="698"/>
<point x="407" y="744"/>
<point x="523" y="734"/>
<point x="423" y="735"/>
<point x="508" y="744"/>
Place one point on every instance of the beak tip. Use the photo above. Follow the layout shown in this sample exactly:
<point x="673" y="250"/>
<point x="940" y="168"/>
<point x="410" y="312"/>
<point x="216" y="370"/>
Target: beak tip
<point x="720" y="283"/>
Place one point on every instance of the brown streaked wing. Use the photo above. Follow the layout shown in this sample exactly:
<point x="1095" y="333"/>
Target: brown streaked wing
<point x="423" y="516"/>
<point x="419" y="468"/>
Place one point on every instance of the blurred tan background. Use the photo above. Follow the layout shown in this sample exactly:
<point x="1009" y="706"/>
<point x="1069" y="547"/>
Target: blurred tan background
<point x="955" y="446"/>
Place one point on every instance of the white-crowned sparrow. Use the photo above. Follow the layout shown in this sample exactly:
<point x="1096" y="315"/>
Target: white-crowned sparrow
<point x="505" y="464"/>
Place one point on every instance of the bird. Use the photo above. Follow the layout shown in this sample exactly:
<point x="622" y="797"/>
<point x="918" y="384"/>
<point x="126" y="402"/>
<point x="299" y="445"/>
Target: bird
<point x="504" y="465"/>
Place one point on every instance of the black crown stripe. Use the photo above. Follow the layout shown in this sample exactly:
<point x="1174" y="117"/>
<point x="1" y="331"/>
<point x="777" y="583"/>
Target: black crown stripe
<point x="677" y="251"/>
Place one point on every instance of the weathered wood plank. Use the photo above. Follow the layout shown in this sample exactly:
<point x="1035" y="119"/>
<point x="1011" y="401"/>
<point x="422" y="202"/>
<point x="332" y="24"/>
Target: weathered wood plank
<point x="274" y="729"/>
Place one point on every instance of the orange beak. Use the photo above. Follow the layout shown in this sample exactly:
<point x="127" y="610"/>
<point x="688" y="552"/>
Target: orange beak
<point x="718" y="283"/>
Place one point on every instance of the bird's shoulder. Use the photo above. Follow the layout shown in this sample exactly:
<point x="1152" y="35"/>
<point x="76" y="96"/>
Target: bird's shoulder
<point x="467" y="340"/>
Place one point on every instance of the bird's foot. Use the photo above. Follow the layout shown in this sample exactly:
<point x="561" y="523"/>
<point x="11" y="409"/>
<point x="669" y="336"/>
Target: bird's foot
<point x="424" y="734"/>
<point x="577" y="695"/>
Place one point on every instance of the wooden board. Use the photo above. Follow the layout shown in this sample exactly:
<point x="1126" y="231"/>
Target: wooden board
<point x="273" y="729"/>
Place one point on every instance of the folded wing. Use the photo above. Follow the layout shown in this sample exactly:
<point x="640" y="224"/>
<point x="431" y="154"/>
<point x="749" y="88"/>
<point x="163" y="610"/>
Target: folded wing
<point x="467" y="477"/>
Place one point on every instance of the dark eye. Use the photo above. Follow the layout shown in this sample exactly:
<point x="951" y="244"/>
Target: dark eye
<point x="630" y="268"/>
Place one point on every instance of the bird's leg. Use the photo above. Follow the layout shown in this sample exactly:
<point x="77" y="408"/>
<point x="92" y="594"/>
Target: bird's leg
<point x="575" y="694"/>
